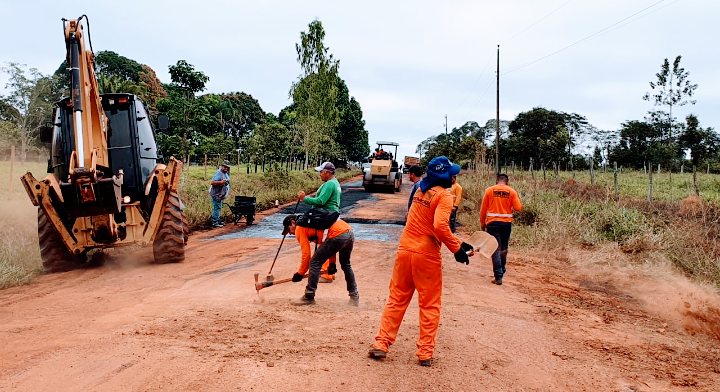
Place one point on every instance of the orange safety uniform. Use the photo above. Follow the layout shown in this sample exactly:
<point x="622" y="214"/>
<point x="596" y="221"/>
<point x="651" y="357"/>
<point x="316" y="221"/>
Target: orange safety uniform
<point x="303" y="235"/>
<point x="418" y="266"/>
<point x="456" y="192"/>
<point x="498" y="204"/>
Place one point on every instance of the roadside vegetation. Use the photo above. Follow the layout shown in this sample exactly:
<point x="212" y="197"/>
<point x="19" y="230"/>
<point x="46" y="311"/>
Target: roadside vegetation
<point x="559" y="215"/>
<point x="276" y="183"/>
<point x="19" y="250"/>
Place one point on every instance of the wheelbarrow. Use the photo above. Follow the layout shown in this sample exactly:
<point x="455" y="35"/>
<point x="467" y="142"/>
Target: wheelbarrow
<point x="244" y="206"/>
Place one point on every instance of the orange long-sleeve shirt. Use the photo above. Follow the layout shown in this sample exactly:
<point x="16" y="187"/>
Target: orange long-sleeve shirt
<point x="456" y="192"/>
<point x="498" y="204"/>
<point x="427" y="223"/>
<point x="303" y="235"/>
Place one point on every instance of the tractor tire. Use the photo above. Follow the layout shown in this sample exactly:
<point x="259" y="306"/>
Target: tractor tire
<point x="398" y="184"/>
<point x="169" y="245"/>
<point x="186" y="228"/>
<point x="55" y="256"/>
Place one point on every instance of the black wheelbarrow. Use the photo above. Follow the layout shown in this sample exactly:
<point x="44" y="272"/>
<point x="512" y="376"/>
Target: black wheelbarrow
<point x="244" y="206"/>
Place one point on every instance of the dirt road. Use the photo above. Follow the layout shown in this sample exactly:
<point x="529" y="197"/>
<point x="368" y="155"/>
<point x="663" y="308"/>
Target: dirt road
<point x="200" y="326"/>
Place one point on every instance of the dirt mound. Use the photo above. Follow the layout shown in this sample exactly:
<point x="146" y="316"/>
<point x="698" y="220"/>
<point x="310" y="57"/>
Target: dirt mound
<point x="691" y="206"/>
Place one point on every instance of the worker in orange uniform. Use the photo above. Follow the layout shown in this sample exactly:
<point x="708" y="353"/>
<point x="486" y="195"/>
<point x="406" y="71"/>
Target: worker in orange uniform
<point x="340" y="240"/>
<point x="418" y="265"/>
<point x="496" y="218"/>
<point x="305" y="236"/>
<point x="456" y="192"/>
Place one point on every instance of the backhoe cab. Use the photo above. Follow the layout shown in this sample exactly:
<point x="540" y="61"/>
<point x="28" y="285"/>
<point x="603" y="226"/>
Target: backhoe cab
<point x="383" y="171"/>
<point x="106" y="187"/>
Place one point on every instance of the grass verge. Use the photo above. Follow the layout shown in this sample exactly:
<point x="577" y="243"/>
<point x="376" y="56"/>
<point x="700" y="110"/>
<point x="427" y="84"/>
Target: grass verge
<point x="558" y="214"/>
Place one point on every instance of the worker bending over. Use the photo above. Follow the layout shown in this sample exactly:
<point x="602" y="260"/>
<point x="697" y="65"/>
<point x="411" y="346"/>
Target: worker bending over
<point x="496" y="218"/>
<point x="418" y="265"/>
<point x="340" y="240"/>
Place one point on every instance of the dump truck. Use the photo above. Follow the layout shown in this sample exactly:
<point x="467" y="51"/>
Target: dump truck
<point x="383" y="171"/>
<point x="409" y="161"/>
<point x="106" y="186"/>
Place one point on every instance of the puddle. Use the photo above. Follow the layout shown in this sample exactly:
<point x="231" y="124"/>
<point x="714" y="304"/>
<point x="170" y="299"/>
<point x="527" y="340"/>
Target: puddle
<point x="373" y="230"/>
<point x="271" y="227"/>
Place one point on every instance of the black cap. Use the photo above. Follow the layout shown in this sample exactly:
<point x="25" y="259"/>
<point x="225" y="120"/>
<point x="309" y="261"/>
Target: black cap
<point x="287" y="222"/>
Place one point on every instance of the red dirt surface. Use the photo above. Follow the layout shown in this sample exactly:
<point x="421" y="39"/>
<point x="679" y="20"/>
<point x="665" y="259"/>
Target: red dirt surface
<point x="201" y="326"/>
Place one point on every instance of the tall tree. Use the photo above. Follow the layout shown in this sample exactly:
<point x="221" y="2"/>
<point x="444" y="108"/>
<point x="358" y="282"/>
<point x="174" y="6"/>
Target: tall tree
<point x="315" y="92"/>
<point x="188" y="115"/>
<point x="153" y="90"/>
<point x="702" y="142"/>
<point x="110" y="63"/>
<point x="672" y="87"/>
<point x="29" y="102"/>
<point x="350" y="135"/>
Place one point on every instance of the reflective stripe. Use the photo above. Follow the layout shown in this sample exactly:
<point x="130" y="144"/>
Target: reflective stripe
<point x="500" y="215"/>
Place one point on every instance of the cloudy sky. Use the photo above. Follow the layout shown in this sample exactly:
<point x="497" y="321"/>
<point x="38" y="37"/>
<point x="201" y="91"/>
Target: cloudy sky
<point x="408" y="63"/>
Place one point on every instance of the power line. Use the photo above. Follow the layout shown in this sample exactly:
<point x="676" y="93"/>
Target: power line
<point x="532" y="25"/>
<point x="473" y="87"/>
<point x="591" y="36"/>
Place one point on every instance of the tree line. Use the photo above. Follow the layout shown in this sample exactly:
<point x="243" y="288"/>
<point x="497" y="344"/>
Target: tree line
<point x="323" y="120"/>
<point x="546" y="137"/>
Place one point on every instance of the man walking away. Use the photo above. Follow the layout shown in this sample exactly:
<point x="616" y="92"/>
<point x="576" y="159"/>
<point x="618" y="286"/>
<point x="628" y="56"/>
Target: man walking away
<point x="340" y="240"/>
<point x="496" y="218"/>
<point x="456" y="192"/>
<point x="415" y="175"/>
<point x="418" y="265"/>
<point x="219" y="190"/>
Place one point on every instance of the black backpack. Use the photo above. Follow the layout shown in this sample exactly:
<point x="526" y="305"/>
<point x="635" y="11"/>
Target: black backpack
<point x="317" y="219"/>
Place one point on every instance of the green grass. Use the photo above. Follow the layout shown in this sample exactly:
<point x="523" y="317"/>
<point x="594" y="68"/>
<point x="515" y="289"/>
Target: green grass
<point x="556" y="214"/>
<point x="274" y="184"/>
<point x="19" y="251"/>
<point x="634" y="184"/>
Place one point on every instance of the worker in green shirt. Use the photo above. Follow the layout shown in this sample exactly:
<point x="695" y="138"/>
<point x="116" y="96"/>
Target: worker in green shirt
<point x="328" y="198"/>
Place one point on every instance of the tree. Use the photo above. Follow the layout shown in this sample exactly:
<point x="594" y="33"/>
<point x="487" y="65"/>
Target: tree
<point x="109" y="63"/>
<point x="673" y="86"/>
<point x="544" y="135"/>
<point x="350" y="134"/>
<point x="153" y="90"/>
<point x="702" y="143"/>
<point x="29" y="103"/>
<point x="115" y="84"/>
<point x="188" y="116"/>
<point x="315" y="92"/>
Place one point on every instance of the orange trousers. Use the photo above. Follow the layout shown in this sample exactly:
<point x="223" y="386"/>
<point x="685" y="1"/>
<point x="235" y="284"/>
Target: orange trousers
<point x="413" y="271"/>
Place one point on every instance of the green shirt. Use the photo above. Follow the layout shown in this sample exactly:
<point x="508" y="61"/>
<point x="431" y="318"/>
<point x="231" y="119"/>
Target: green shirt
<point x="327" y="197"/>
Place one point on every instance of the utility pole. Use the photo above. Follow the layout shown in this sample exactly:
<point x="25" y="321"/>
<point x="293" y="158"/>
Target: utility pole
<point x="497" y="117"/>
<point x="446" y="124"/>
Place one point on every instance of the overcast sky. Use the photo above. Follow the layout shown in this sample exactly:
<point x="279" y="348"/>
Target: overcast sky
<point x="408" y="63"/>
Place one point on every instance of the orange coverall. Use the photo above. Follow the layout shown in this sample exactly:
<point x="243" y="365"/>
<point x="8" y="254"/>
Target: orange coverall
<point x="303" y="235"/>
<point x="418" y="266"/>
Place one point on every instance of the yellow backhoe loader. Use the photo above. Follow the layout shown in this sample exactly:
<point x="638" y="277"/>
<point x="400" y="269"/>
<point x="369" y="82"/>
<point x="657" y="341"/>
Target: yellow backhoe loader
<point x="106" y="187"/>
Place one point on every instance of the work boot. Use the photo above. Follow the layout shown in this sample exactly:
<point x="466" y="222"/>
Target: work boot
<point x="355" y="300"/>
<point x="325" y="280"/>
<point x="496" y="281"/>
<point x="304" y="300"/>
<point x="426" y="362"/>
<point x="376" y="353"/>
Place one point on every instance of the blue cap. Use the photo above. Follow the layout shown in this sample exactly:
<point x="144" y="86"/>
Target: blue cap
<point x="439" y="172"/>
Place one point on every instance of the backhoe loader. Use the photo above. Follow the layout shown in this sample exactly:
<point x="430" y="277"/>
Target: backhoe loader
<point x="106" y="187"/>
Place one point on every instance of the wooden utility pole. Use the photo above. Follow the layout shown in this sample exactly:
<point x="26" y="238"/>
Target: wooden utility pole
<point x="446" y="124"/>
<point x="497" y="117"/>
<point x="615" y="174"/>
<point x="205" y="175"/>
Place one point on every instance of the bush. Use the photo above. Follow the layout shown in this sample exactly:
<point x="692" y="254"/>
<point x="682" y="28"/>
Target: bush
<point x="619" y="224"/>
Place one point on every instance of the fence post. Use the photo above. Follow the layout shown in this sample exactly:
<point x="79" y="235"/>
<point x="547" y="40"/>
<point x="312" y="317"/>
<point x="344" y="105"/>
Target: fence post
<point x="650" y="183"/>
<point x="205" y="175"/>
<point x="708" y="170"/>
<point x="542" y="166"/>
<point x="555" y="169"/>
<point x="615" y="174"/>
<point x="658" y="169"/>
<point x="12" y="166"/>
<point x="532" y="172"/>
<point x="681" y="168"/>
<point x="592" y="172"/>
<point x="513" y="167"/>
<point x="695" y="185"/>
